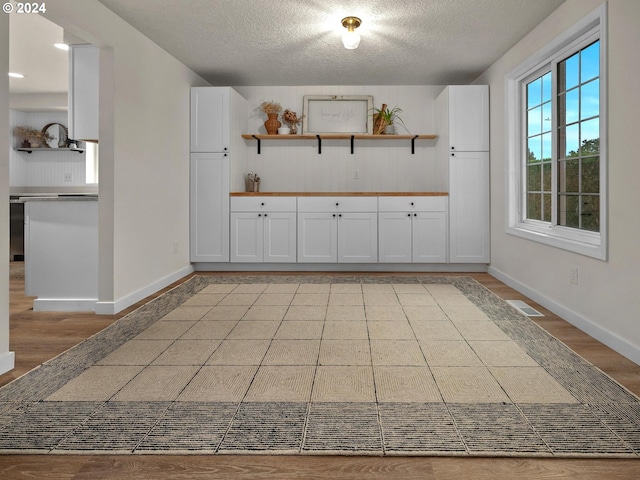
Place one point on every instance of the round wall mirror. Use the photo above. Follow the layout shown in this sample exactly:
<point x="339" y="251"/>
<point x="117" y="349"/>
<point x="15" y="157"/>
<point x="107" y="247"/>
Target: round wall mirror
<point x="55" y="135"/>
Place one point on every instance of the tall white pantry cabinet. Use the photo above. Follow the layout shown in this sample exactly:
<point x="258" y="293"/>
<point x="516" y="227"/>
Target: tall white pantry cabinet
<point x="462" y="121"/>
<point x="218" y="114"/>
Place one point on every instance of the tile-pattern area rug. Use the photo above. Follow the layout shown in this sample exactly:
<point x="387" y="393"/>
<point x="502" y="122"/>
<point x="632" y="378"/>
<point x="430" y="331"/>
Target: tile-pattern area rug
<point x="322" y="364"/>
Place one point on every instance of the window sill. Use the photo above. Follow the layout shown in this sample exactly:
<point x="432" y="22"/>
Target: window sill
<point x="589" y="244"/>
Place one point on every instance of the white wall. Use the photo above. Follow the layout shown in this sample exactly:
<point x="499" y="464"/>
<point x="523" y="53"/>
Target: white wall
<point x="6" y="357"/>
<point x="606" y="302"/>
<point x="382" y="165"/>
<point x="39" y="102"/>
<point x="144" y="154"/>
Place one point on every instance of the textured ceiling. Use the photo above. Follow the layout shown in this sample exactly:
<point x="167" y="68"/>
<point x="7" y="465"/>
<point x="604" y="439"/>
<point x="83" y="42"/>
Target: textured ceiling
<point x="293" y="42"/>
<point x="287" y="42"/>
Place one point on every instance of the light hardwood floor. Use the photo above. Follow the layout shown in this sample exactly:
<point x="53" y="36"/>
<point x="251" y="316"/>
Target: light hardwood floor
<point x="39" y="336"/>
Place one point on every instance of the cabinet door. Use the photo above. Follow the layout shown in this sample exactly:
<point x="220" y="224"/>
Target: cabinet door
<point x="429" y="237"/>
<point x="317" y="237"/>
<point x="469" y="221"/>
<point x="247" y="237"/>
<point x="209" y="209"/>
<point x="358" y="237"/>
<point x="84" y="71"/>
<point x="280" y="237"/>
<point x="469" y="118"/>
<point x="394" y="237"/>
<point x="210" y="119"/>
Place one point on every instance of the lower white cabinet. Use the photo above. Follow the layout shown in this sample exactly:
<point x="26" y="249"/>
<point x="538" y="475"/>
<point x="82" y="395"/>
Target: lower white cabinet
<point x="357" y="237"/>
<point x="317" y="237"/>
<point x="307" y="229"/>
<point x="429" y="237"/>
<point x="395" y="237"/>
<point x="412" y="229"/>
<point x="263" y="229"/>
<point x="337" y="229"/>
<point x="61" y="253"/>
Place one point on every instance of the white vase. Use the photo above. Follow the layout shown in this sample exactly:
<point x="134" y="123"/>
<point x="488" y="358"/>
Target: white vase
<point x="284" y="131"/>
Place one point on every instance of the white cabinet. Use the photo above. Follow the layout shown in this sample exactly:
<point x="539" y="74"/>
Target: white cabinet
<point x="263" y="229"/>
<point x="317" y="237"/>
<point x="218" y="116"/>
<point x="395" y="237"/>
<point x="469" y="207"/>
<point x="61" y="253"/>
<point x="84" y="70"/>
<point x="429" y="237"/>
<point x="337" y="229"/>
<point x="463" y="118"/>
<point x="210" y="119"/>
<point x="463" y="150"/>
<point x="357" y="237"/>
<point x="412" y="229"/>
<point x="209" y="207"/>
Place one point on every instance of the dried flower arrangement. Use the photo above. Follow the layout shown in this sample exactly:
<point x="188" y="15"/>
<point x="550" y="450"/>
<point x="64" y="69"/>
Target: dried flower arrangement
<point x="270" y="107"/>
<point x="32" y="136"/>
<point x="291" y="118"/>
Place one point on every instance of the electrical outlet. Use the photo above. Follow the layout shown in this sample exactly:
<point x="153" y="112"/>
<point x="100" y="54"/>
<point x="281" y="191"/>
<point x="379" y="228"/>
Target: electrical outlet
<point x="175" y="247"/>
<point x="356" y="174"/>
<point x="573" y="275"/>
<point x="67" y="177"/>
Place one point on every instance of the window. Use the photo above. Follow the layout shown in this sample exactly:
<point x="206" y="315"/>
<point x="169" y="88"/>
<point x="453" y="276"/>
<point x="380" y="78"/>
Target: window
<point x="578" y="151"/>
<point x="538" y="161"/>
<point x="556" y="142"/>
<point x="91" y="167"/>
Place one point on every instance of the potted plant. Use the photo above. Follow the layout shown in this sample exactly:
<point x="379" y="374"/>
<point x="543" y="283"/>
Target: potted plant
<point x="271" y="109"/>
<point x="384" y="118"/>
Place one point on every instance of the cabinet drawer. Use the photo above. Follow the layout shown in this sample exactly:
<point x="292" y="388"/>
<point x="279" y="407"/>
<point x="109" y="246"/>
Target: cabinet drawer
<point x="337" y="204"/>
<point x="403" y="204"/>
<point x="266" y="204"/>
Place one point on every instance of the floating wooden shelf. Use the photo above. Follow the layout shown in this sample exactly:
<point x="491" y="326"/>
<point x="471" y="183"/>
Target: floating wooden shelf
<point x="41" y="149"/>
<point x="338" y="136"/>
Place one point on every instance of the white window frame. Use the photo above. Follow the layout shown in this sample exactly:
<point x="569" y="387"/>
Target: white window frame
<point x="592" y="244"/>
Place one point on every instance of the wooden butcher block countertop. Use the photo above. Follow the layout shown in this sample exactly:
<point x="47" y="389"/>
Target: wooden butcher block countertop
<point x="339" y="194"/>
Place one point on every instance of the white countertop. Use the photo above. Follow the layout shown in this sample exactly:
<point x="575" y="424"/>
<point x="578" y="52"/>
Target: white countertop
<point x="63" y="197"/>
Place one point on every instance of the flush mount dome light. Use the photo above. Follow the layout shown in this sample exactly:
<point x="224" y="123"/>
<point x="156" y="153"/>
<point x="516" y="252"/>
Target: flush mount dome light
<point x="350" y="38"/>
<point x="16" y="75"/>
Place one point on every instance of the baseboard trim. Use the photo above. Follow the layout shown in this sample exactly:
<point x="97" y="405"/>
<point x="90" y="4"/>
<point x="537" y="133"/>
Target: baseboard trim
<point x="64" y="304"/>
<point x="111" y="308"/>
<point x="7" y="362"/>
<point x="610" y="339"/>
<point x="340" y="267"/>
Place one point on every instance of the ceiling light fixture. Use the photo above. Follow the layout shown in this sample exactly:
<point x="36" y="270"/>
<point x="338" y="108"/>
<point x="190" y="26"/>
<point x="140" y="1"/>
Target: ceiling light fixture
<point x="350" y="38"/>
<point x="16" y="75"/>
<point x="61" y="46"/>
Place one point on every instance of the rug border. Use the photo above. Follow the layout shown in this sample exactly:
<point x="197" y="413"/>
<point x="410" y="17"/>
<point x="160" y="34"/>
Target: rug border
<point x="150" y="312"/>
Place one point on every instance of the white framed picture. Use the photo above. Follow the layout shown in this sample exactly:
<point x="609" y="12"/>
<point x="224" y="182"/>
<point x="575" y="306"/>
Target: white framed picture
<point x="325" y="114"/>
